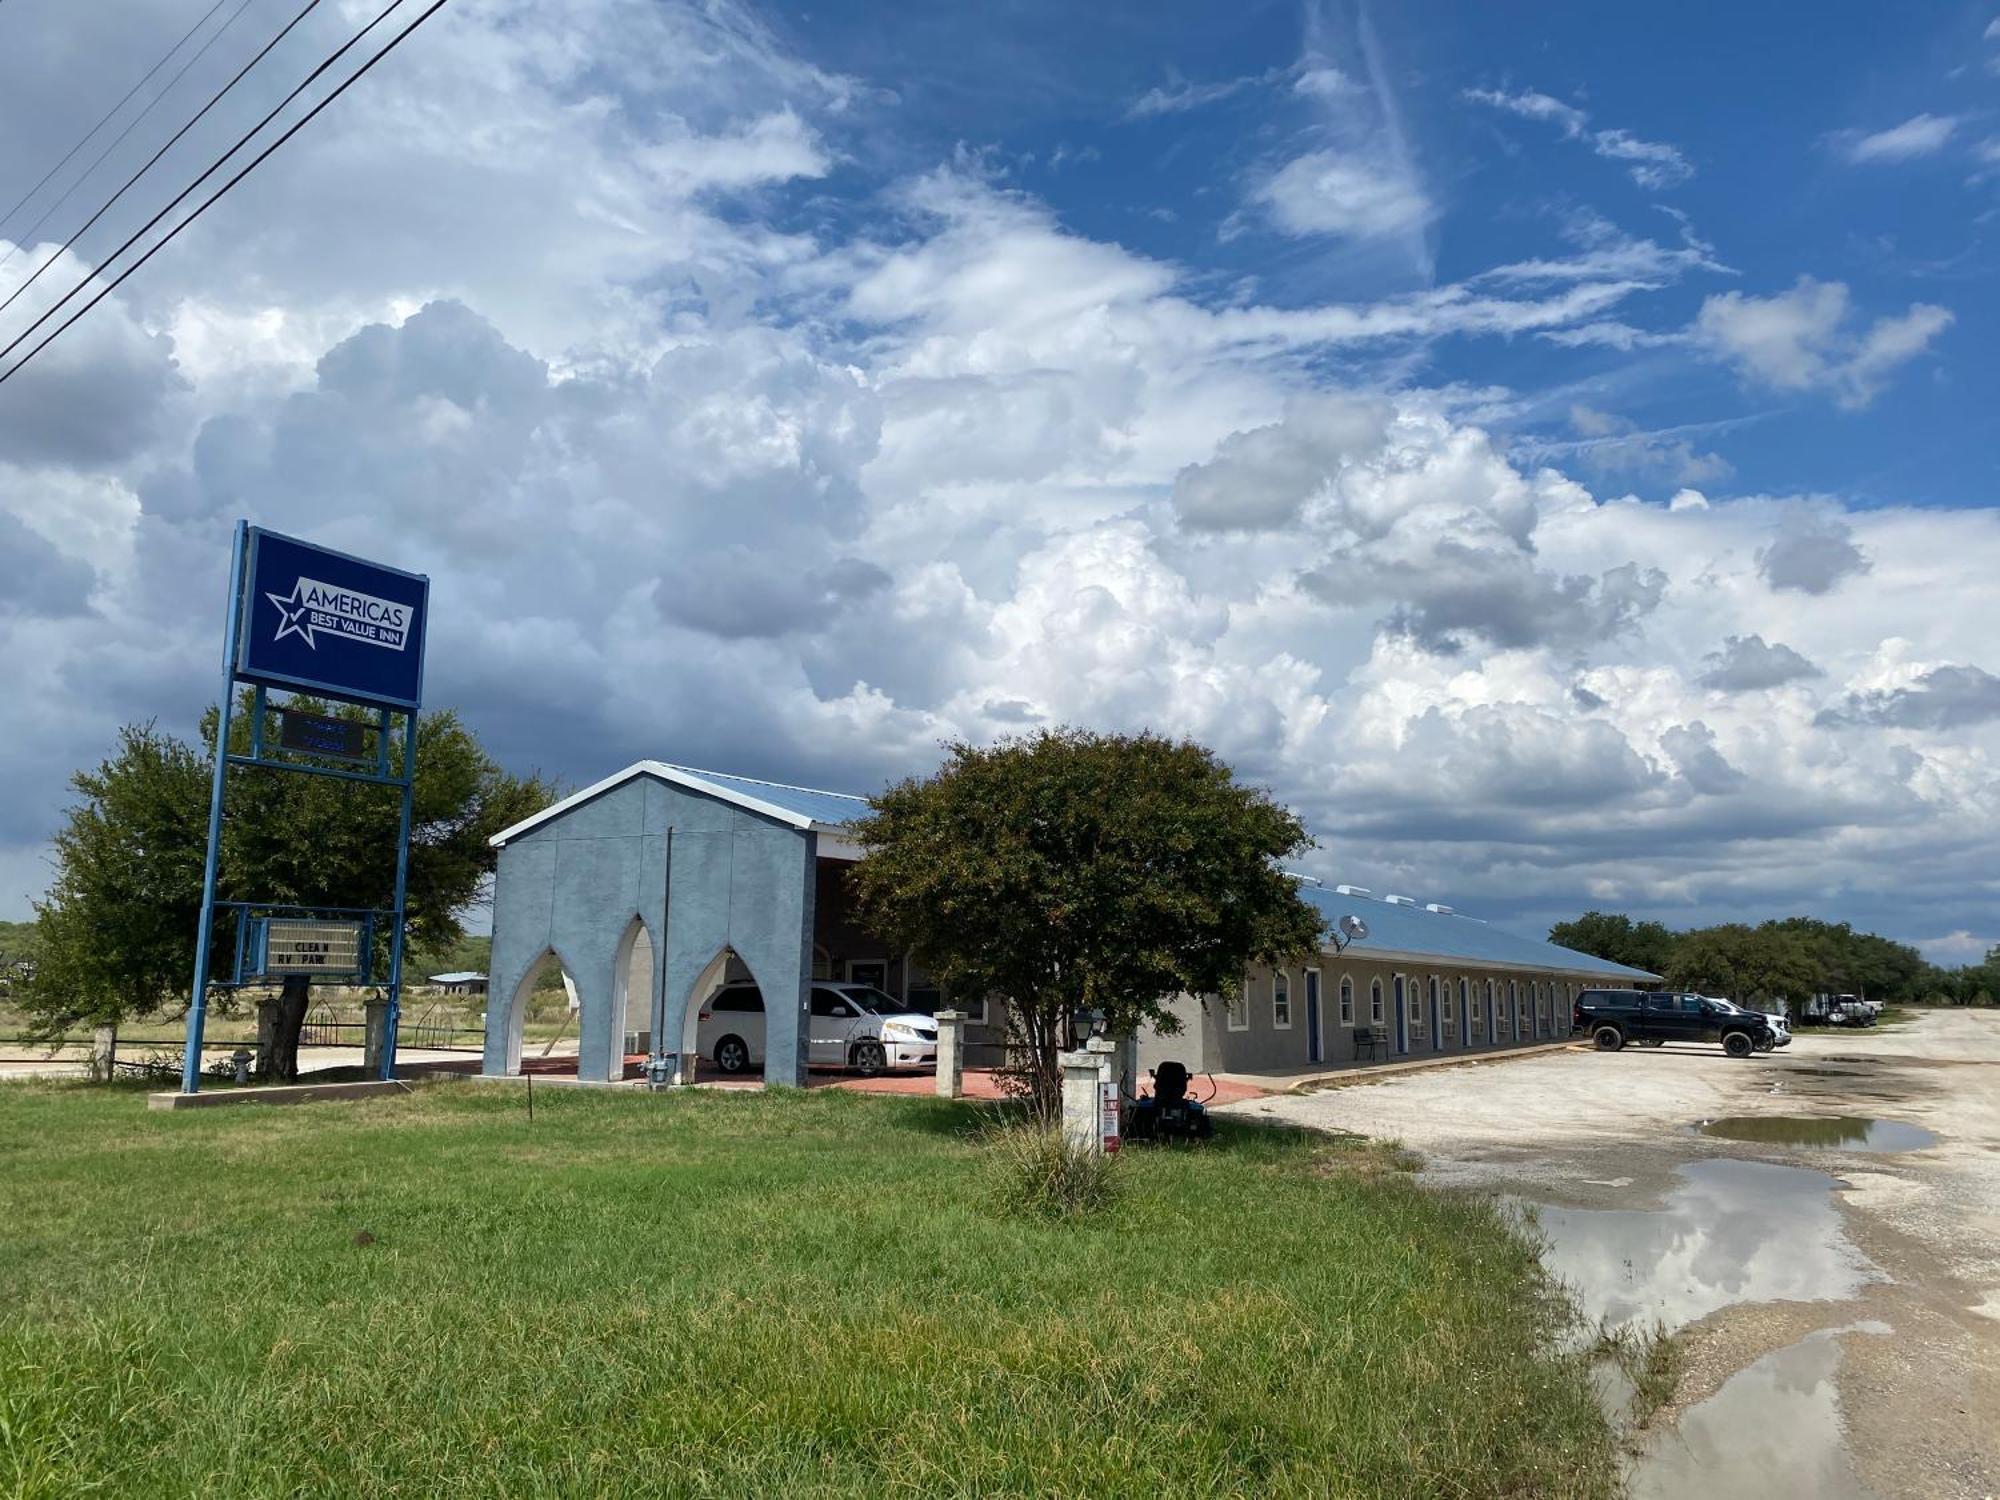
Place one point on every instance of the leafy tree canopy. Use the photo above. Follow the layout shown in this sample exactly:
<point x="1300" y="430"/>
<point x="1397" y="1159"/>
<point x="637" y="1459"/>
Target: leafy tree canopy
<point x="1615" y="936"/>
<point x="1069" y="871"/>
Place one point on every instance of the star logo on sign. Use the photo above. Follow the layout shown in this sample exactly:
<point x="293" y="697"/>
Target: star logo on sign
<point x="292" y="617"/>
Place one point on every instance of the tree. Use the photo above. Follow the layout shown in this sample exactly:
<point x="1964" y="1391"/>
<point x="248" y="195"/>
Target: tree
<point x="117" y="926"/>
<point x="1850" y="962"/>
<point x="1743" y="963"/>
<point x="128" y="887"/>
<point x="20" y="948"/>
<point x="1615" y="936"/>
<point x="1068" y="871"/>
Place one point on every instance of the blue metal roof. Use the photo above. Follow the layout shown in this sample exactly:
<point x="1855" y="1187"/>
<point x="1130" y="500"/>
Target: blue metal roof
<point x="833" y="808"/>
<point x="1396" y="928"/>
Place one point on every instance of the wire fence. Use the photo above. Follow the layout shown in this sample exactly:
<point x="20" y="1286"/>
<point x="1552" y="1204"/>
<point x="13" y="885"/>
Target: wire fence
<point x="428" y="1036"/>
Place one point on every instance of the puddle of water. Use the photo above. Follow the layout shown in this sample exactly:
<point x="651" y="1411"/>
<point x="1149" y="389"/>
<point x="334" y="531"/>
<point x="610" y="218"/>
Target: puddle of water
<point x="1774" y="1428"/>
<point x="1841" y="1132"/>
<point x="1733" y="1231"/>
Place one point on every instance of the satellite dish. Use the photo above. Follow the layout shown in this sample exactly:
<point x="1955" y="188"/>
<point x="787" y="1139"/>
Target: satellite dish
<point x="1353" y="928"/>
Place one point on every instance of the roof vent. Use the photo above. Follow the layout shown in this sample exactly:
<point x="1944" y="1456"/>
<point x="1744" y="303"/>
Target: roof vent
<point x="1353" y="890"/>
<point x="1304" y="879"/>
<point x="1401" y="900"/>
<point x="1440" y="908"/>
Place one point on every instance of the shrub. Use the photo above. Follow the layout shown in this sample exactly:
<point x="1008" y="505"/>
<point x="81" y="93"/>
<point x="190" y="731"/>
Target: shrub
<point x="1038" y="1173"/>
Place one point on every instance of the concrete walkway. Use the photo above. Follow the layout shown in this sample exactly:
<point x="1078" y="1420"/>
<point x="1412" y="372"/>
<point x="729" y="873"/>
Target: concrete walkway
<point x="1308" y="1080"/>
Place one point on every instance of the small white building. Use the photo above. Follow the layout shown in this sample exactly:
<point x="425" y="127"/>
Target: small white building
<point x="467" y="983"/>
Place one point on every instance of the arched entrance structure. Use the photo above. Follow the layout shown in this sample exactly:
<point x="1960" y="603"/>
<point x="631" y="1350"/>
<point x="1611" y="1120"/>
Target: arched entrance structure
<point x="687" y="863"/>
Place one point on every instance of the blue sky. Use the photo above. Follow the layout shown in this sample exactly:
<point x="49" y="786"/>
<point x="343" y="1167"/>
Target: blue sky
<point x="1763" y="111"/>
<point x="1550" y="449"/>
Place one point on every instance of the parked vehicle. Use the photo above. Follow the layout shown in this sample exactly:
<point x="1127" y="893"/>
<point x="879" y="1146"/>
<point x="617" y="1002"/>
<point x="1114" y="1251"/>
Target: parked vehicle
<point x="1613" y="1018"/>
<point x="1781" y="1026"/>
<point x="1840" y="1010"/>
<point x="1168" y="1113"/>
<point x="850" y="1026"/>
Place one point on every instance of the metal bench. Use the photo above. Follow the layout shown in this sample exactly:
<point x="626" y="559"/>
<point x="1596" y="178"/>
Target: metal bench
<point x="1371" y="1041"/>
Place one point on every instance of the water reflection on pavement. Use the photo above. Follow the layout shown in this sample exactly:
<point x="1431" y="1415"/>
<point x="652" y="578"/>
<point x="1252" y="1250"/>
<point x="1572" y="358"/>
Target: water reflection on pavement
<point x="1773" y="1430"/>
<point x="1733" y="1231"/>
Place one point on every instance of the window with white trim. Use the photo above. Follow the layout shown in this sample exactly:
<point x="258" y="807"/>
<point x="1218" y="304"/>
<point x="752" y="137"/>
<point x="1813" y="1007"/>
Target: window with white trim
<point x="1468" y="996"/>
<point x="1347" y="1000"/>
<point x="1281" y="1001"/>
<point x="1414" y="1009"/>
<point x="1496" y="996"/>
<point x="1374" y="1002"/>
<point x="1236" y="1009"/>
<point x="1450" y="1016"/>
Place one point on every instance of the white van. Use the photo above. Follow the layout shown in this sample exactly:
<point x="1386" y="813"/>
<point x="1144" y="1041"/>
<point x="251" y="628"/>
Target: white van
<point x="852" y="1026"/>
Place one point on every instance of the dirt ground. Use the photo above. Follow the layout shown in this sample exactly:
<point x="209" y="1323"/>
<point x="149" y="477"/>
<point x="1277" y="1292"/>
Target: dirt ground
<point x="1919" y="1363"/>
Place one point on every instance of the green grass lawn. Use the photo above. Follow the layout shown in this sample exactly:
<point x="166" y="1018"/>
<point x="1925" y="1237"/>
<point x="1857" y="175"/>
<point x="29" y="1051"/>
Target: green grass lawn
<point x="715" y="1293"/>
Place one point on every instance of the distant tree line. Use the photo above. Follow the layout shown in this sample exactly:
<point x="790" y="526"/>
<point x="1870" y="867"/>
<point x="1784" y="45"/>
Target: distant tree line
<point x="1790" y="958"/>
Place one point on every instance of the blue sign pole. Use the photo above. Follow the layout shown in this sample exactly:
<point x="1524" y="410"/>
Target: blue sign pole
<point x="198" y="1003"/>
<point x="395" y="1015"/>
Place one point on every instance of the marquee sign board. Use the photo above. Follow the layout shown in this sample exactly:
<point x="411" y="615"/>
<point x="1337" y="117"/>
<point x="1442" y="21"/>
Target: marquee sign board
<point x="315" y="945"/>
<point x="321" y="734"/>
<point x="320" y="621"/>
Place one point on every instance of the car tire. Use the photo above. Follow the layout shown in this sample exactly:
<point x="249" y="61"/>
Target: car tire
<point x="1738" y="1044"/>
<point x="869" y="1058"/>
<point x="1608" y="1038"/>
<point x="732" y="1054"/>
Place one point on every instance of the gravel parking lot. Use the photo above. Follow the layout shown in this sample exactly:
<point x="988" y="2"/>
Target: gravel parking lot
<point x="1876" y="1285"/>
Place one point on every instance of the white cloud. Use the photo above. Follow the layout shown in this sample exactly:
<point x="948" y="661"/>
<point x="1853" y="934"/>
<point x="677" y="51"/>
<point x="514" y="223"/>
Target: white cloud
<point x="1326" y="192"/>
<point x="1802" y="339"/>
<point x="804" y="502"/>
<point x="1654" y="165"/>
<point x="1920" y="135"/>
<point x="1531" y="105"/>
<point x="1179" y="95"/>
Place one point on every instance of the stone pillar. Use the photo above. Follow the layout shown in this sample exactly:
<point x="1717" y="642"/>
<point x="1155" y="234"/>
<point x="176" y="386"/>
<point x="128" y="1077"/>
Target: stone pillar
<point x="103" y="1054"/>
<point x="267" y="1033"/>
<point x="951" y="1054"/>
<point x="1079" y="1102"/>
<point x="376" y="1032"/>
<point x="1084" y="1075"/>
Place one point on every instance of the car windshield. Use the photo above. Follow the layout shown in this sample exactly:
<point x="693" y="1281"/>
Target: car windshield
<point x="876" y="1002"/>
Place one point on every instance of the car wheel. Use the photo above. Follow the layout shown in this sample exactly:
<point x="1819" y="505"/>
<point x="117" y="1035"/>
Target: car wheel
<point x="1738" y="1044"/>
<point x="869" y="1058"/>
<point x="732" y="1054"/>
<point x="1609" y="1038"/>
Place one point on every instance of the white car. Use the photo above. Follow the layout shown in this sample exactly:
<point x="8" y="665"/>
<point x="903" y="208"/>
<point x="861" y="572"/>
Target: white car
<point x="852" y="1026"/>
<point x="1781" y="1026"/>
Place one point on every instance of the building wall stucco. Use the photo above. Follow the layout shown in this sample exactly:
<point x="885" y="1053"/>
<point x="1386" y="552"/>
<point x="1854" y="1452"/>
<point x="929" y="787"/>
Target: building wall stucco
<point x="575" y="885"/>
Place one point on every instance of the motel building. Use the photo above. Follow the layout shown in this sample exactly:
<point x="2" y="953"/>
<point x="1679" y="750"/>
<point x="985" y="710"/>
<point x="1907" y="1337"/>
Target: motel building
<point x="653" y="888"/>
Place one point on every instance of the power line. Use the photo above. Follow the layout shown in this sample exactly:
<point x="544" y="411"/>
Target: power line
<point x="213" y="167"/>
<point x="214" y="100"/>
<point x="119" y="140"/>
<point x="110" y="113"/>
<point x="352" y="79"/>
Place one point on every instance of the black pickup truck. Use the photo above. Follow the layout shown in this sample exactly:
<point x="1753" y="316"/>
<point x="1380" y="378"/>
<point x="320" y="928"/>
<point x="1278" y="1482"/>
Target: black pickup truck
<point x="1614" y="1017"/>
